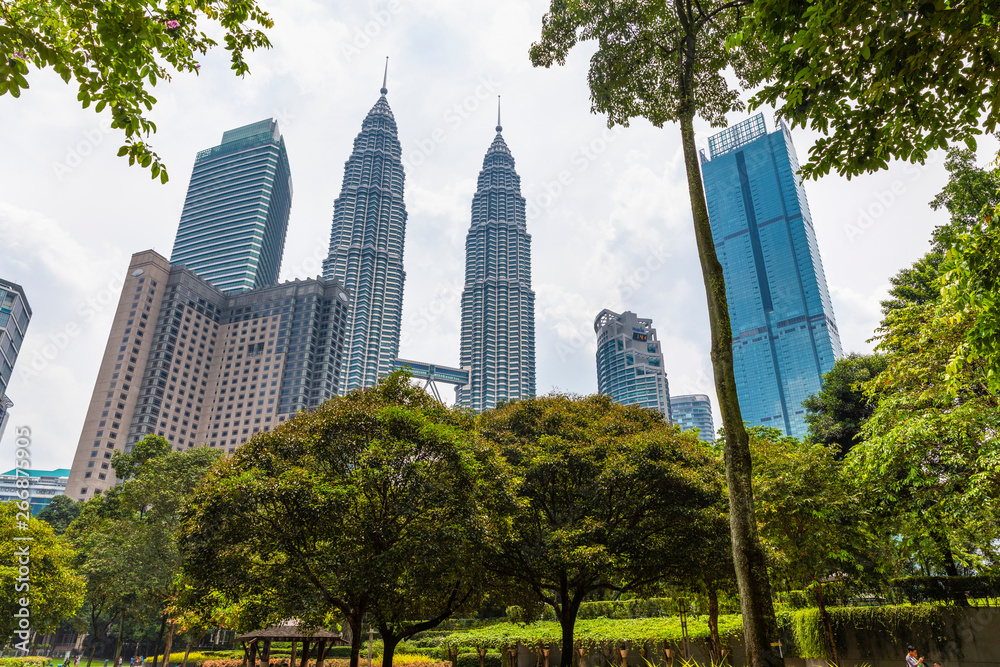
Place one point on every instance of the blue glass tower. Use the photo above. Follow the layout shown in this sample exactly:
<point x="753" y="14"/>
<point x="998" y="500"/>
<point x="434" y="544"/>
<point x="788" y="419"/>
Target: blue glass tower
<point x="232" y="229"/>
<point x="784" y="333"/>
<point x="366" y="248"/>
<point x="693" y="411"/>
<point x="630" y="362"/>
<point x="498" y="305"/>
<point x="15" y="313"/>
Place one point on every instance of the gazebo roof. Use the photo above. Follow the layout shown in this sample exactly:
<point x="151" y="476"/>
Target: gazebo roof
<point x="289" y="632"/>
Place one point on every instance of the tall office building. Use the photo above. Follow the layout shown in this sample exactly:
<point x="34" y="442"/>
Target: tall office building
<point x="232" y="229"/>
<point x="200" y="366"/>
<point x="366" y="248"/>
<point x="498" y="306"/>
<point x="784" y="333"/>
<point x="693" y="411"/>
<point x="15" y="314"/>
<point x="629" y="361"/>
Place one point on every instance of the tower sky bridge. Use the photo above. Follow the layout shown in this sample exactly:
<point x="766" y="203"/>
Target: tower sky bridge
<point x="431" y="374"/>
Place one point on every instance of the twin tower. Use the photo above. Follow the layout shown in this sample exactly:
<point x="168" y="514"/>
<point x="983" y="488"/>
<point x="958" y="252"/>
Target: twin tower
<point x="207" y="348"/>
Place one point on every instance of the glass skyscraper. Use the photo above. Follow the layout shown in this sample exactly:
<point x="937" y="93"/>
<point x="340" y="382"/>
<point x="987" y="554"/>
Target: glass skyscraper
<point x="693" y="411"/>
<point x="366" y="248"/>
<point x="630" y="362"/>
<point x="15" y="313"/>
<point x="232" y="229"/>
<point x="498" y="305"/>
<point x="784" y="333"/>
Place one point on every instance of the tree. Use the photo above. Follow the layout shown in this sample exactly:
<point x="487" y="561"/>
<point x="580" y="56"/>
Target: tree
<point x="369" y="504"/>
<point x="60" y="513"/>
<point x="38" y="577"/>
<point x="117" y="51"/>
<point x="127" y="537"/>
<point x="607" y="497"/>
<point x="811" y="521"/>
<point x="918" y="284"/>
<point x="881" y="80"/>
<point x="665" y="61"/>
<point x="927" y="460"/>
<point x="836" y="413"/>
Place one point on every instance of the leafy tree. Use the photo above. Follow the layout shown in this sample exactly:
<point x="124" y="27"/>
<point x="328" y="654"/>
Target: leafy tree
<point x="881" y="79"/>
<point x="666" y="62"/>
<point x="49" y="583"/>
<point x="836" y="413"/>
<point x="59" y="513"/>
<point x="608" y="498"/>
<point x="117" y="51"/>
<point x="918" y="284"/>
<point x="127" y="537"/>
<point x="928" y="457"/>
<point x="811" y="521"/>
<point x="371" y="504"/>
<point x="970" y="193"/>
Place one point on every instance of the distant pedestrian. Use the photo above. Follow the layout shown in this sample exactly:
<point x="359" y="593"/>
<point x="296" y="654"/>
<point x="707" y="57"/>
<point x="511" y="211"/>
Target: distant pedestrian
<point x="911" y="657"/>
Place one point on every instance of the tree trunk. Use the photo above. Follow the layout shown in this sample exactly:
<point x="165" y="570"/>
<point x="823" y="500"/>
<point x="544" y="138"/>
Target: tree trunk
<point x="170" y="643"/>
<point x="320" y="653"/>
<point x="159" y="638"/>
<point x="265" y="656"/>
<point x="355" y="623"/>
<point x="567" y="612"/>
<point x="389" y="643"/>
<point x="824" y="617"/>
<point x="93" y="646"/>
<point x="713" y="625"/>
<point x="305" y="654"/>
<point x="118" y="641"/>
<point x="759" y="624"/>
<point x="291" y="658"/>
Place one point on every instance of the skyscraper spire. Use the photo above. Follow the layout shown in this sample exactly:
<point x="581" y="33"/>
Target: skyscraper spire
<point x="498" y="305"/>
<point x="385" y="77"/>
<point x="366" y="248"/>
<point x="499" y="127"/>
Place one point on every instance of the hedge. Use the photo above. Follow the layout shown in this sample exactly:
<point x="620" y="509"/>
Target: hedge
<point x="594" y="632"/>
<point x="32" y="661"/>
<point x="398" y="661"/>
<point x="947" y="589"/>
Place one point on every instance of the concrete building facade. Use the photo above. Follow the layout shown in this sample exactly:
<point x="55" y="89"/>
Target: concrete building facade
<point x="202" y="367"/>
<point x="42" y="486"/>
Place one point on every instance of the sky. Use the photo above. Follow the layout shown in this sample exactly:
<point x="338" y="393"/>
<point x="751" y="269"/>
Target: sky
<point x="608" y="209"/>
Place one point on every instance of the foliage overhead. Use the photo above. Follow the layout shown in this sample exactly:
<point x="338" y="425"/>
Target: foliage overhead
<point x="880" y="80"/>
<point x="117" y="51"/>
<point x="60" y="512"/>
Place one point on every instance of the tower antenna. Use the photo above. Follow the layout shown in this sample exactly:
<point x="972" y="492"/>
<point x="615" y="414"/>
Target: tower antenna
<point x="385" y="77"/>
<point x="499" y="127"/>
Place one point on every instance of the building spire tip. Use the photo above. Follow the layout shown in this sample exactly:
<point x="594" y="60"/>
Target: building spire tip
<point x="499" y="127"/>
<point x="385" y="77"/>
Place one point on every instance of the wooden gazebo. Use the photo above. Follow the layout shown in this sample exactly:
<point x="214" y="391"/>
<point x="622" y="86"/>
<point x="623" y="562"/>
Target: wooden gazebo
<point x="258" y="643"/>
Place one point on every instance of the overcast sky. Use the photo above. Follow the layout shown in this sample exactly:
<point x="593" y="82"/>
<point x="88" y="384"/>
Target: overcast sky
<point x="609" y="213"/>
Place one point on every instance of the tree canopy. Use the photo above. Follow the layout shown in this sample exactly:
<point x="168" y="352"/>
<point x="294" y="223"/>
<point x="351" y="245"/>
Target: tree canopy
<point x="59" y="513"/>
<point x="880" y="80"/>
<point x="116" y="52"/>
<point x="607" y="498"/>
<point x="836" y="413"/>
<point x="370" y="504"/>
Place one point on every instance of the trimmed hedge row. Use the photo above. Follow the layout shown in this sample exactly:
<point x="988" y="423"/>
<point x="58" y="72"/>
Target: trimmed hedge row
<point x="472" y="660"/>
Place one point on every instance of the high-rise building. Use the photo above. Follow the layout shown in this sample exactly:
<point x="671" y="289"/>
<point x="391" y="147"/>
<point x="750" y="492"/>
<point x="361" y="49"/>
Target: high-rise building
<point x="232" y="228"/>
<point x="498" y="305"/>
<point x="366" y="248"/>
<point x="784" y="333"/>
<point x="15" y="314"/>
<point x="200" y="366"/>
<point x="629" y="361"/>
<point x="693" y="411"/>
